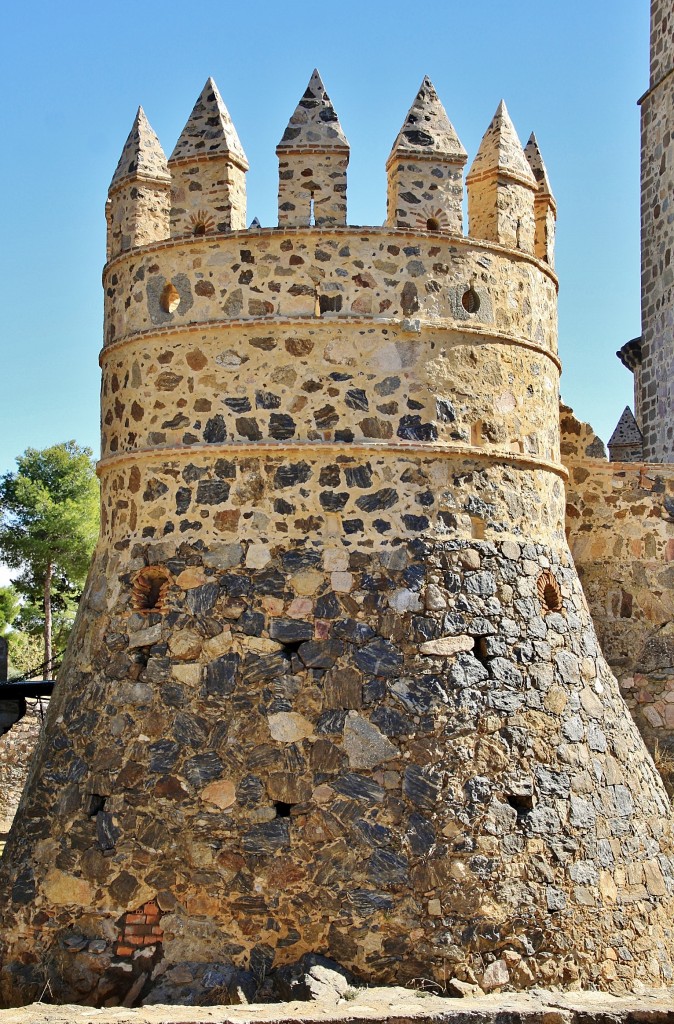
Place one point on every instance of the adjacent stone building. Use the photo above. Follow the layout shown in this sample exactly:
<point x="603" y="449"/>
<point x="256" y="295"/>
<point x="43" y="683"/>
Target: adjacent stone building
<point x="334" y="687"/>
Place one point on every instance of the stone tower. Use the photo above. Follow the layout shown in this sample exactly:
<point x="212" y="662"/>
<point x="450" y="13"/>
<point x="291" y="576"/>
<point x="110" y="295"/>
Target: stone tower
<point x="334" y="686"/>
<point x="651" y="357"/>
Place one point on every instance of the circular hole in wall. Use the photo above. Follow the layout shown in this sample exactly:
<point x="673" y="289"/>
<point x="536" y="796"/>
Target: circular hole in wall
<point x="549" y="593"/>
<point x="470" y="300"/>
<point x="150" y="589"/>
<point x="170" y="299"/>
<point x="200" y="229"/>
<point x="432" y="224"/>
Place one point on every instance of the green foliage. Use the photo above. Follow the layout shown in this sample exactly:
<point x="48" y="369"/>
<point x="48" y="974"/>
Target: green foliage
<point x="9" y="608"/>
<point x="25" y="654"/>
<point x="49" y="515"/>
<point x="49" y="518"/>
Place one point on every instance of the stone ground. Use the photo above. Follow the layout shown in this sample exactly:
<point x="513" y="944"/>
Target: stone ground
<point x="390" y="1005"/>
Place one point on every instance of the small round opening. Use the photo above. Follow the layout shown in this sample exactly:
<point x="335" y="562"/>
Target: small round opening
<point x="432" y="224"/>
<point x="170" y="298"/>
<point x="470" y="300"/>
<point x="549" y="593"/>
<point x="200" y="229"/>
<point x="150" y="589"/>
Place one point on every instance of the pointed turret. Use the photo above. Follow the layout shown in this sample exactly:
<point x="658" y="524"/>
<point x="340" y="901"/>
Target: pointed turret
<point x="425" y="169"/>
<point x="138" y="204"/>
<point x="545" y="206"/>
<point x="626" y="442"/>
<point x="313" y="158"/>
<point x="502" y="187"/>
<point x="208" y="167"/>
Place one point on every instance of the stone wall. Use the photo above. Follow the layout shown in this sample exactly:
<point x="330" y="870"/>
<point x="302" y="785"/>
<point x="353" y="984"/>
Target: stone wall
<point x="620" y="526"/>
<point x="16" y="751"/>
<point x="657" y="269"/>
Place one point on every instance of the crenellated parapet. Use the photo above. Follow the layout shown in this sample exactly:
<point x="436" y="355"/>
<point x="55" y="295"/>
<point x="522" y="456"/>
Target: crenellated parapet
<point x="510" y="201"/>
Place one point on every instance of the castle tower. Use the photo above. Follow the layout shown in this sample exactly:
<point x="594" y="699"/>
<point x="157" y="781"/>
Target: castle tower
<point x="137" y="210"/>
<point x="626" y="442"/>
<point x="425" y="169"/>
<point x="334" y="686"/>
<point x="208" y="170"/>
<point x="545" y="206"/>
<point x="313" y="157"/>
<point x="657" y="243"/>
<point x="501" y="188"/>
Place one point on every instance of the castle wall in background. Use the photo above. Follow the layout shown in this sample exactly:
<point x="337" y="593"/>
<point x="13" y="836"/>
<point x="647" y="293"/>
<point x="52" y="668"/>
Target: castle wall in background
<point x="620" y="527"/>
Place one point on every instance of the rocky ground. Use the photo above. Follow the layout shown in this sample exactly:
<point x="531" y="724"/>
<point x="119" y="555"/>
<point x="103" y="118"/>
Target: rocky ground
<point x="392" y="1005"/>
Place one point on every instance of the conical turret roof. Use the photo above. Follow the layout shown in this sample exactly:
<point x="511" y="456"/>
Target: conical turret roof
<point x="314" y="124"/>
<point x="209" y="130"/>
<point x="540" y="171"/>
<point x="427" y="131"/>
<point x="501" y="150"/>
<point x="142" y="156"/>
<point x="627" y="430"/>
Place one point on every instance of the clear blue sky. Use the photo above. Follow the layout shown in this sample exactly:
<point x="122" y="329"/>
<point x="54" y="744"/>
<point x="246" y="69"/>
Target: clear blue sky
<point x="73" y="74"/>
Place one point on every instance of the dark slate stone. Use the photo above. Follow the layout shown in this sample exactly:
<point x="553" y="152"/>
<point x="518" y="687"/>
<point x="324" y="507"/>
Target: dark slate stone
<point x="411" y="428"/>
<point x="225" y="469"/>
<point x="270" y="582"/>
<point x="328" y="606"/>
<point x="107" y="832"/>
<point x="215" y="431"/>
<point x="331" y="723"/>
<point x="163" y="756"/>
<point x="235" y="586"/>
<point x="190" y="731"/>
<point x="416" y="523"/>
<point x="301" y="558"/>
<point x="421" y="694"/>
<point x="374" y="835"/>
<point x="379" y="658"/>
<point x="250" y="791"/>
<point x="424" y="498"/>
<point x="387" y="868"/>
<point x="212" y="492"/>
<point x="346" y="436"/>
<point x="284" y="508"/>
<point x="191" y="473"/>
<point x="330" y="476"/>
<point x="358" y="787"/>
<point x="333" y="501"/>
<point x="356" y="398"/>
<point x="221" y="675"/>
<point x="409" y="296"/>
<point x="155" y="488"/>
<point x="268" y="837"/>
<point x="352" y="526"/>
<point x="201" y="599"/>
<point x="293" y="473"/>
<point x="421" y="787"/>
<point x="320" y="653"/>
<point x="23" y="889"/>
<point x="237" y="404"/>
<point x="391" y="722"/>
<point x="288" y="631"/>
<point x="478" y="789"/>
<point x="281" y="426"/>
<point x="183" y="499"/>
<point x="414" y="576"/>
<point x="252" y="623"/>
<point x="248" y="427"/>
<point x="420" y="835"/>
<point x="385" y="498"/>
<point x="203" y="767"/>
<point x="173" y="695"/>
<point x="444" y="410"/>
<point x="352" y="631"/>
<point x="258" y="668"/>
<point x="365" y="902"/>
<point x="358" y="476"/>
<point x="326" y="417"/>
<point x="267" y="400"/>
